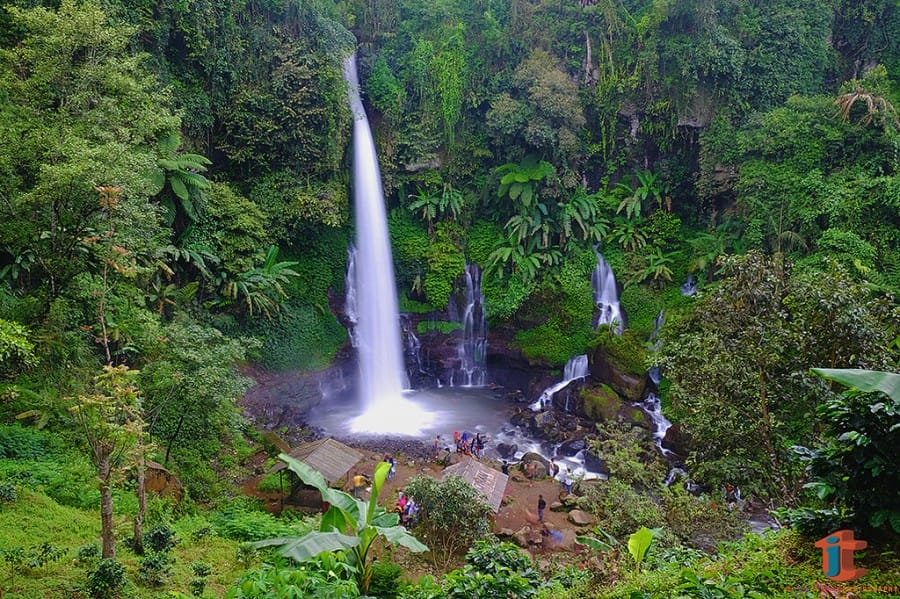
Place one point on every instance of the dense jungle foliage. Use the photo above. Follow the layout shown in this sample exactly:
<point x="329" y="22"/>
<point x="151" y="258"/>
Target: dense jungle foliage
<point x="174" y="199"/>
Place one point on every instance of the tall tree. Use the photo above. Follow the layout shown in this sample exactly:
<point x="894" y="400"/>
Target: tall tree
<point x="110" y="418"/>
<point x="738" y="366"/>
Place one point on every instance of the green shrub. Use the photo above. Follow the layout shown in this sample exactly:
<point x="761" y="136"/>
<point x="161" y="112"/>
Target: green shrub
<point x="426" y="588"/>
<point x="241" y="521"/>
<point x="272" y="483"/>
<point x="197" y="584"/>
<point x="160" y="539"/>
<point x="106" y="580"/>
<point x="385" y="582"/>
<point x="494" y="570"/>
<point x="21" y="443"/>
<point x="8" y="492"/>
<point x="87" y="555"/>
<point x="154" y="570"/>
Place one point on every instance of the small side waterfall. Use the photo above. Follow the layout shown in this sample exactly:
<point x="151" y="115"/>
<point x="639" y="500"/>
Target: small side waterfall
<point x="576" y="368"/>
<point x="351" y="310"/>
<point x="472" y="348"/>
<point x="382" y="374"/>
<point x="659" y="423"/>
<point x="606" y="296"/>
<point x="689" y="287"/>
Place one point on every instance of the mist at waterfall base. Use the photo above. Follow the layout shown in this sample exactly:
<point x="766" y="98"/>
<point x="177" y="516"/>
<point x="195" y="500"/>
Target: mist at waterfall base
<point x="381" y="371"/>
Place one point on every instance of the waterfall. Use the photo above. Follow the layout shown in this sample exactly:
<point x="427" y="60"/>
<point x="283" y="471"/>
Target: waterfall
<point x="351" y="311"/>
<point x="606" y="296"/>
<point x="381" y="369"/>
<point x="659" y="423"/>
<point x="576" y="368"/>
<point x="472" y="348"/>
<point x="689" y="287"/>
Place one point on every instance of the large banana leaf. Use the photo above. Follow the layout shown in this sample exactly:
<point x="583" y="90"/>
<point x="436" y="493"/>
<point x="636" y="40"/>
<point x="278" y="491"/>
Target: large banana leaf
<point x="397" y="535"/>
<point x="864" y="380"/>
<point x="311" y="544"/>
<point x="381" y="472"/>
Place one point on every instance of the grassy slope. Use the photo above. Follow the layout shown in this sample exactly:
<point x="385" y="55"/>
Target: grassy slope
<point x="34" y="518"/>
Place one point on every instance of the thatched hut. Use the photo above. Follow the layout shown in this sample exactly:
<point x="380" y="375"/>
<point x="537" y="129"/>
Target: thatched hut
<point x="332" y="458"/>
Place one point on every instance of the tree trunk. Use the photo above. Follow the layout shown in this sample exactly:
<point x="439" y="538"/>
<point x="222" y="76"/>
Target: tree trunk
<point x="104" y="470"/>
<point x="141" y="491"/>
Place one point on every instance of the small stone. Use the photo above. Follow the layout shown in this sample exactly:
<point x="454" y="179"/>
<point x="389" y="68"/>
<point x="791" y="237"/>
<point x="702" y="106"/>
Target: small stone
<point x="581" y="518"/>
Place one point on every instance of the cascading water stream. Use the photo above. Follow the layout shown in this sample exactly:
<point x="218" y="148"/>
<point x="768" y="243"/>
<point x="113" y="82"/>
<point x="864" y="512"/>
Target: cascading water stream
<point x="606" y="296"/>
<point x="659" y="423"/>
<point x="472" y="348"/>
<point x="576" y="368"/>
<point x="382" y="374"/>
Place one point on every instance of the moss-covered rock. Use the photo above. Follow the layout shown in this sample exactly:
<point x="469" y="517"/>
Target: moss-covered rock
<point x="599" y="402"/>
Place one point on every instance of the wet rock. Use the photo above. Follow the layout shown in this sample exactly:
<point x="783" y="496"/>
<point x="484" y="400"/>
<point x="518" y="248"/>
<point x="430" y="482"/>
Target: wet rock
<point x="536" y="457"/>
<point x="507" y="450"/>
<point x="594" y="463"/>
<point x="572" y="447"/>
<point x="675" y="440"/>
<point x="581" y="518"/>
<point x="557" y="506"/>
<point x="544" y="421"/>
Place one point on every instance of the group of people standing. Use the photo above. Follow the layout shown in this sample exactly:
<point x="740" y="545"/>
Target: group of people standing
<point x="470" y="446"/>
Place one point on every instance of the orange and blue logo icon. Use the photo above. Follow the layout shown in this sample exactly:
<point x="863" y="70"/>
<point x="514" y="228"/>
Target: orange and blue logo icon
<point x="837" y="555"/>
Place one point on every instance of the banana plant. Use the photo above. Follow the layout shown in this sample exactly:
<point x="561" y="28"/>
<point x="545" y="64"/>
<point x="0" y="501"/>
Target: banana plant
<point x="349" y="524"/>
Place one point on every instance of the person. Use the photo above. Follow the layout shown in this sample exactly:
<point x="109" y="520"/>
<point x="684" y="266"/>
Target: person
<point x="359" y="484"/>
<point x="504" y="468"/>
<point x="436" y="446"/>
<point x="456" y="439"/>
<point x="567" y="482"/>
<point x="401" y="502"/>
<point x="530" y="467"/>
<point x="393" y="471"/>
<point x="541" y="505"/>
<point x="554" y="469"/>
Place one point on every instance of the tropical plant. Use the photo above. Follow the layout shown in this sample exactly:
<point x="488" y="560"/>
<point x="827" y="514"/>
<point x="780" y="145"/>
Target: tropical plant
<point x="181" y="170"/>
<point x="261" y="289"/>
<point x="852" y="465"/>
<point x="656" y="268"/>
<point x="348" y="525"/>
<point x="633" y="203"/>
<point x="628" y="234"/>
<point x="638" y="544"/>
<point x="519" y="181"/>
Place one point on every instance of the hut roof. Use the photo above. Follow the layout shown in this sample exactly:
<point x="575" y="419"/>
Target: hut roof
<point x="332" y="458"/>
<point x="490" y="482"/>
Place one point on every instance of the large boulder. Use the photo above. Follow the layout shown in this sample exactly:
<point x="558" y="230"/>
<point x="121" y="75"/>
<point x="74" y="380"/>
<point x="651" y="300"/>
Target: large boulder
<point x="608" y="369"/>
<point x="581" y="518"/>
<point x="541" y="465"/>
<point x="601" y="403"/>
<point x="676" y="440"/>
<point x="507" y="450"/>
<point x="571" y="447"/>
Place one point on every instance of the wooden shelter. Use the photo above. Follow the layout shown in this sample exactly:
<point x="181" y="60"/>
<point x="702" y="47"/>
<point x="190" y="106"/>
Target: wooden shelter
<point x="489" y="482"/>
<point x="332" y="458"/>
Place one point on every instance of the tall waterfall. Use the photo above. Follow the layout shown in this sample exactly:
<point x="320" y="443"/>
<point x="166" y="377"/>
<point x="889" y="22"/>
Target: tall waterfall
<point x="576" y="368"/>
<point x="472" y="348"/>
<point x="606" y="296"/>
<point x="382" y="374"/>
